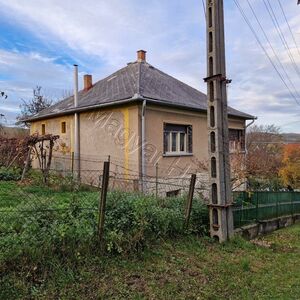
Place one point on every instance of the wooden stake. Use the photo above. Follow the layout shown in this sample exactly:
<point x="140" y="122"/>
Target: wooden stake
<point x="189" y="202"/>
<point x="102" y="204"/>
<point x="72" y="165"/>
<point x="156" y="180"/>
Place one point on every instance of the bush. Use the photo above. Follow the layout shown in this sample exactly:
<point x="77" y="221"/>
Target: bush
<point x="135" y="221"/>
<point x="10" y="174"/>
<point x="40" y="227"/>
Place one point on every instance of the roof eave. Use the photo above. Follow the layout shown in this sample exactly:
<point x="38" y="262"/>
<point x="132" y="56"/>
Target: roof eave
<point x="80" y="109"/>
<point x="135" y="98"/>
<point x="190" y="108"/>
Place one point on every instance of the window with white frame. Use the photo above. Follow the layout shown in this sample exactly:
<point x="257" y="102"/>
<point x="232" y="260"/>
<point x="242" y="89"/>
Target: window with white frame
<point x="177" y="139"/>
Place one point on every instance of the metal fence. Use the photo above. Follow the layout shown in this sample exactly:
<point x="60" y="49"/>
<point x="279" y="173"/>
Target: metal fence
<point x="160" y="180"/>
<point x="68" y="204"/>
<point x="252" y="207"/>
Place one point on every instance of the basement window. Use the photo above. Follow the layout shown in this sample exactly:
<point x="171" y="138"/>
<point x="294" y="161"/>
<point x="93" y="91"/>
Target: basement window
<point x="173" y="193"/>
<point x="177" y="139"/>
<point x="43" y="129"/>
<point x="63" y="127"/>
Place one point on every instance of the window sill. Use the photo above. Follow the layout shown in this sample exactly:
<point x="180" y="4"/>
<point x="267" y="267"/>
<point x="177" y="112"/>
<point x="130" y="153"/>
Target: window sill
<point x="177" y="154"/>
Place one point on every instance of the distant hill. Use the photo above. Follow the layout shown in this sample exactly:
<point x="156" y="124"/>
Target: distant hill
<point x="13" y="132"/>
<point x="291" y="138"/>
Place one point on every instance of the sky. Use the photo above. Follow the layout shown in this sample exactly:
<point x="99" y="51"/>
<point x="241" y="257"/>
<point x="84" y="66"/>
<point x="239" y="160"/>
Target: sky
<point x="41" y="40"/>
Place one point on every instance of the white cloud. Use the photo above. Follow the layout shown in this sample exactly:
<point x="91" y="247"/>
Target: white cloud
<point x="24" y="71"/>
<point x="103" y="35"/>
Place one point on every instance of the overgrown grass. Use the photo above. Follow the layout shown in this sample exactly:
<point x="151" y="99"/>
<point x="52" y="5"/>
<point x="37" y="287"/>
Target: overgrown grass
<point x="183" y="268"/>
<point x="37" y="223"/>
<point x="49" y="250"/>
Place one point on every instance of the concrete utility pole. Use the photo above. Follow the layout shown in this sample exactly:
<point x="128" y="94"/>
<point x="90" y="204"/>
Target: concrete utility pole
<point x="220" y="207"/>
<point x="76" y="126"/>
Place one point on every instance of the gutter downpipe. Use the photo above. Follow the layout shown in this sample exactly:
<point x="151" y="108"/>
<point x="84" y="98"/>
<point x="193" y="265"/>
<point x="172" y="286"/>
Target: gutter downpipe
<point x="76" y="126"/>
<point x="253" y="120"/>
<point x="143" y="144"/>
<point x="246" y="149"/>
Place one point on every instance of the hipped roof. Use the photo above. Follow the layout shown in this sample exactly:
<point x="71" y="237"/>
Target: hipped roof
<point x="134" y="83"/>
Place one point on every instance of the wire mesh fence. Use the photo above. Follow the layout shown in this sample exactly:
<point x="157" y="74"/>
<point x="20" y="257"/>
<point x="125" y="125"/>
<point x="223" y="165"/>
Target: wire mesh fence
<point x="66" y="211"/>
<point x="68" y="208"/>
<point x="251" y="207"/>
<point x="160" y="180"/>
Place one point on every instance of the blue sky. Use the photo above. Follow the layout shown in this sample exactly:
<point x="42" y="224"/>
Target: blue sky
<point x="41" y="40"/>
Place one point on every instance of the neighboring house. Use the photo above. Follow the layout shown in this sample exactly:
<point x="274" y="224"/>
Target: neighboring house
<point x="137" y="103"/>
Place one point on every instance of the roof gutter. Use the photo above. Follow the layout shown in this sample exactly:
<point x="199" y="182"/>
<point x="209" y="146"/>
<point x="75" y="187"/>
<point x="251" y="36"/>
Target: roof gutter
<point x="78" y="109"/>
<point x="133" y="99"/>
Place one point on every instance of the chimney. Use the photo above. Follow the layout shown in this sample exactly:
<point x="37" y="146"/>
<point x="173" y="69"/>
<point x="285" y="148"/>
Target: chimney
<point x="87" y="82"/>
<point x="141" y="56"/>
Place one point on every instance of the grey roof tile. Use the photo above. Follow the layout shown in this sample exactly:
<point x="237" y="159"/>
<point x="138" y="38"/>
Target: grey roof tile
<point x="139" y="79"/>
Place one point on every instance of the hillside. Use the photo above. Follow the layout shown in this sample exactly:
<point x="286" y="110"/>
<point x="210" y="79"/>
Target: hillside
<point x="13" y="132"/>
<point x="291" y="138"/>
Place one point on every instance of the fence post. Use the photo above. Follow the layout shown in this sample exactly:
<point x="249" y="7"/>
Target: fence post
<point x="291" y="196"/>
<point x="277" y="210"/>
<point x="277" y="207"/>
<point x="102" y="204"/>
<point x="257" y="205"/>
<point x="27" y="163"/>
<point x="190" y="200"/>
<point x="156" y="180"/>
<point x="72" y="163"/>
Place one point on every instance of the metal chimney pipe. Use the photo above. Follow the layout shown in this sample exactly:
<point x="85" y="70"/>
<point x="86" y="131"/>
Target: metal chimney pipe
<point x="76" y="126"/>
<point x="75" y="85"/>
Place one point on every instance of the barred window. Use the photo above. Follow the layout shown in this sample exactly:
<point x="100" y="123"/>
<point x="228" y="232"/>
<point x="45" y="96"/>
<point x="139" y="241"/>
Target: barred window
<point x="177" y="139"/>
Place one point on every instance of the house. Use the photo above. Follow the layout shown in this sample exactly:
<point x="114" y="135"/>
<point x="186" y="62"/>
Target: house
<point x="144" y="119"/>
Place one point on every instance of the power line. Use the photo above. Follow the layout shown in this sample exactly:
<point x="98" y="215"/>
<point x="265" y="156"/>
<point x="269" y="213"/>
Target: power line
<point x="288" y="24"/>
<point x="264" y="50"/>
<point x="270" y="44"/>
<point x="204" y="10"/>
<point x="281" y="35"/>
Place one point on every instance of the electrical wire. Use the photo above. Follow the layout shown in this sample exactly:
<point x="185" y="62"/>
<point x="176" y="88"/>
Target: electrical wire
<point x="273" y="50"/>
<point x="204" y="10"/>
<point x="264" y="50"/>
<point x="281" y="35"/>
<point x="289" y="27"/>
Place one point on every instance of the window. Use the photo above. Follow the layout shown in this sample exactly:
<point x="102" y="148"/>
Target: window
<point x="237" y="139"/>
<point x="177" y="139"/>
<point x="43" y="129"/>
<point x="63" y="127"/>
<point x="174" y="193"/>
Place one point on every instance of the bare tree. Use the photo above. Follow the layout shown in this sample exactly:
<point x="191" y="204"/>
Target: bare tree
<point x="2" y="116"/>
<point x="38" y="102"/>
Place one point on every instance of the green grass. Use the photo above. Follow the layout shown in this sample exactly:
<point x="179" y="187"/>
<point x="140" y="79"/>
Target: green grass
<point x="186" y="268"/>
<point x="172" y="266"/>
